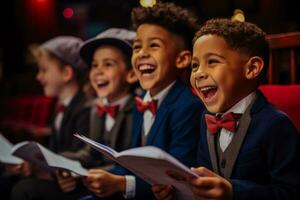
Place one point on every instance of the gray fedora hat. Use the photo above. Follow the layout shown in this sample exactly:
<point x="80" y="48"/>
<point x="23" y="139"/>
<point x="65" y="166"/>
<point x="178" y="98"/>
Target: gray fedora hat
<point x="67" y="49"/>
<point x="119" y="37"/>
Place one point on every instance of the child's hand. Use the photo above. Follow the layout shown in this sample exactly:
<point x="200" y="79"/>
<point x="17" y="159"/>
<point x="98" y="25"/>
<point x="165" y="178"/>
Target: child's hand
<point x="13" y="169"/>
<point x="103" y="183"/>
<point x="66" y="181"/>
<point x="26" y="169"/>
<point x="23" y="169"/>
<point x="210" y="185"/>
<point x="162" y="192"/>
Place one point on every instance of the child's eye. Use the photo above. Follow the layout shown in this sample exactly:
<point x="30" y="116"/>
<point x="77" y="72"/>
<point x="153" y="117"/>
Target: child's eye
<point x="154" y="45"/>
<point x="136" y="46"/>
<point x="194" y="66"/>
<point x="212" y="61"/>
<point x="108" y="64"/>
<point x="93" y="65"/>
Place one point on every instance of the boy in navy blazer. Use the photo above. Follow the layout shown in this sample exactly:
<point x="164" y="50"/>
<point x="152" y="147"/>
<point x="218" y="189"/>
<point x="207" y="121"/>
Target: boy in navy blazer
<point x="248" y="149"/>
<point x="168" y="116"/>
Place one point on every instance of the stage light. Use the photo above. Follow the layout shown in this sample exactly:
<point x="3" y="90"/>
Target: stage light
<point x="238" y="15"/>
<point x="68" y="13"/>
<point x="147" y="3"/>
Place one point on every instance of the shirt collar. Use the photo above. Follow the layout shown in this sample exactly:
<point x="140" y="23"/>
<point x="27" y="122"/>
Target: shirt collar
<point x="160" y="96"/>
<point x="120" y="102"/>
<point x="243" y="104"/>
<point x="67" y="101"/>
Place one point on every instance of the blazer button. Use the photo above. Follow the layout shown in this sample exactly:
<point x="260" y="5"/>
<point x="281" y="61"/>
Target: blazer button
<point x="223" y="163"/>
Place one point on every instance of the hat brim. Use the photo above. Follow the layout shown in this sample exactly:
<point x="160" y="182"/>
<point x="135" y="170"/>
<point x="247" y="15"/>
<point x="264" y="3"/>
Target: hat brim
<point x="89" y="47"/>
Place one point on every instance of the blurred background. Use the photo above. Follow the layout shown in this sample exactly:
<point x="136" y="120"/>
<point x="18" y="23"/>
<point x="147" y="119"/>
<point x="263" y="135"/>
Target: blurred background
<point x="26" y="22"/>
<point x="34" y="21"/>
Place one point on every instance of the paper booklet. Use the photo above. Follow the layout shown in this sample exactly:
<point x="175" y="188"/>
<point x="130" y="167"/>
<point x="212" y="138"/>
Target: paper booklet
<point x="150" y="163"/>
<point x="5" y="152"/>
<point x="40" y="156"/>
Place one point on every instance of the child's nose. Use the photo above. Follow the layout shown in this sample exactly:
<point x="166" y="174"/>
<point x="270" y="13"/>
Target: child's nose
<point x="200" y="75"/>
<point x="38" y="76"/>
<point x="143" y="53"/>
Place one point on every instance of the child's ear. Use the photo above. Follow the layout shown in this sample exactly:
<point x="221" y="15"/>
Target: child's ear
<point x="254" y="67"/>
<point x="131" y="77"/>
<point x="184" y="59"/>
<point x="67" y="72"/>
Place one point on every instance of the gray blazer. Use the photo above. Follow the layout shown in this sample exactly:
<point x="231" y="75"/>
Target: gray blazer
<point x="119" y="136"/>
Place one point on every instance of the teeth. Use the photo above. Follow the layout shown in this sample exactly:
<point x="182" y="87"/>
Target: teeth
<point x="207" y="88"/>
<point x="100" y="82"/>
<point x="146" y="67"/>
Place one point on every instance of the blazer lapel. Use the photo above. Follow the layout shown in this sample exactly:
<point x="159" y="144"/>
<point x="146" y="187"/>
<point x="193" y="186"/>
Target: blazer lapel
<point x="137" y="130"/>
<point x="70" y="110"/>
<point x="96" y="125"/>
<point x="212" y="150"/>
<point x="114" y="133"/>
<point x="171" y="97"/>
<point x="237" y="141"/>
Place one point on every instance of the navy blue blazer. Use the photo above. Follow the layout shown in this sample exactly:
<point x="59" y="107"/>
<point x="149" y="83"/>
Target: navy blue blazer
<point x="175" y="130"/>
<point x="268" y="162"/>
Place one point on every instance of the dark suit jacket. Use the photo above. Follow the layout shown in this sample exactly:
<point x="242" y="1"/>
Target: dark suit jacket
<point x="265" y="162"/>
<point x="75" y="120"/>
<point x="175" y="130"/>
<point x="120" y="137"/>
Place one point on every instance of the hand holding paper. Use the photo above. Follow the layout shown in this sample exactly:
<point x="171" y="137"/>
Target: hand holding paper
<point x="43" y="158"/>
<point x="152" y="164"/>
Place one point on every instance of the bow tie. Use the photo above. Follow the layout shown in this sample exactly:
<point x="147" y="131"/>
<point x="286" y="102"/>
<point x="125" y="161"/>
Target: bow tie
<point x="60" y="108"/>
<point x="142" y="106"/>
<point x="111" y="110"/>
<point x="227" y="121"/>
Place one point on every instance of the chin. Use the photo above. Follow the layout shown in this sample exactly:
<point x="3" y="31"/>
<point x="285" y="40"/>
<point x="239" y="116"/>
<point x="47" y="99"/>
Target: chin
<point x="214" y="108"/>
<point x="146" y="86"/>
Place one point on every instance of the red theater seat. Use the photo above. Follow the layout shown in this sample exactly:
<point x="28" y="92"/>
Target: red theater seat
<point x="286" y="98"/>
<point x="27" y="112"/>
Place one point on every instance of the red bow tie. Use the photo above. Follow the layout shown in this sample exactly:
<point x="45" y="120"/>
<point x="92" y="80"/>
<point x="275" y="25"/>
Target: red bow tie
<point x="227" y="121"/>
<point x="111" y="110"/>
<point x="142" y="106"/>
<point x="60" y="108"/>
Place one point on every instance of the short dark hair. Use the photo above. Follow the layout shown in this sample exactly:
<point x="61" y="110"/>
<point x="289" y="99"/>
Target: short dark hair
<point x="175" y="19"/>
<point x="244" y="37"/>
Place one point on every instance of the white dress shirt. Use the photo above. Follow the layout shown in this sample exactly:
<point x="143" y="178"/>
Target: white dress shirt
<point x="60" y="115"/>
<point x="148" y="120"/>
<point x="110" y="121"/>
<point x="239" y="108"/>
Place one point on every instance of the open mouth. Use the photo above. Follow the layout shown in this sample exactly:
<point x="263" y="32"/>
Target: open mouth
<point x="208" y="92"/>
<point x="102" y="84"/>
<point x="146" y="69"/>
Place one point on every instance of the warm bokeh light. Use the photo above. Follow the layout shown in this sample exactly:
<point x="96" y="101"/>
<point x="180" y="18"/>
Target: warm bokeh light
<point x="238" y="15"/>
<point x="147" y="3"/>
<point x="68" y="13"/>
<point x="41" y="15"/>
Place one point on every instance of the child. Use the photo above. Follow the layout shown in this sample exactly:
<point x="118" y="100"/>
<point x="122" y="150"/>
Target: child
<point x="60" y="73"/>
<point x="111" y="76"/>
<point x="251" y="149"/>
<point x="160" y="50"/>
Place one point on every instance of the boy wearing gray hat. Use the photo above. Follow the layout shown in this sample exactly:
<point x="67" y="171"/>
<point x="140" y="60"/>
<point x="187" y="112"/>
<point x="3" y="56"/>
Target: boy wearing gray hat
<point x="111" y="76"/>
<point x="60" y="71"/>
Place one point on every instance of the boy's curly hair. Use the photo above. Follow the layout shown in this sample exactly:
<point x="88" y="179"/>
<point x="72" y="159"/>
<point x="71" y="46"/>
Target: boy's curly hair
<point x="243" y="37"/>
<point x="175" y="19"/>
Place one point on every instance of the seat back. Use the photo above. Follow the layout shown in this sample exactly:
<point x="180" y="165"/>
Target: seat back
<point x="284" y="58"/>
<point x="286" y="98"/>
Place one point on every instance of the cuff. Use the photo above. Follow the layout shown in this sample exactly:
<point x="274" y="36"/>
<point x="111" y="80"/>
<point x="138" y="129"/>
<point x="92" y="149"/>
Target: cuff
<point x="130" y="187"/>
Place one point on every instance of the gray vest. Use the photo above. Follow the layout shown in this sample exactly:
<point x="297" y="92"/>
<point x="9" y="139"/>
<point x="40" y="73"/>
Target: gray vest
<point x="223" y="162"/>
